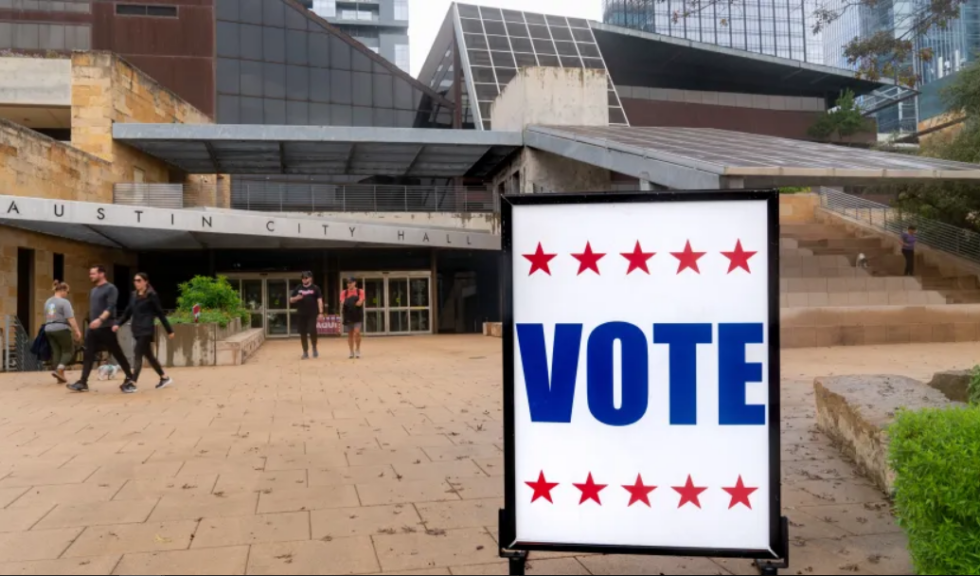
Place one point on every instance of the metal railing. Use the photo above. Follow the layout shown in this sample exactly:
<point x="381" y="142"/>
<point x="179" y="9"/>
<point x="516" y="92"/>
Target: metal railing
<point x="938" y="235"/>
<point x="309" y="197"/>
<point x="17" y="356"/>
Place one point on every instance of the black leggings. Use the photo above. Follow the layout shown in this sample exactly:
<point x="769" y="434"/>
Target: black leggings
<point x="144" y="348"/>
<point x="909" y="262"/>
<point x="307" y="331"/>
<point x="98" y="340"/>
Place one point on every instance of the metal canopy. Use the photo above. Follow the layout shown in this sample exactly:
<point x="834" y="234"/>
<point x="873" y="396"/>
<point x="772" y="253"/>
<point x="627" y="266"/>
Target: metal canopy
<point x="636" y="58"/>
<point x="321" y="150"/>
<point x="695" y="158"/>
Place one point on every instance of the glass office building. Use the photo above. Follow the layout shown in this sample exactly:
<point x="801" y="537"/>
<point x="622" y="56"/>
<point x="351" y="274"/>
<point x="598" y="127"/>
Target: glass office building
<point x="781" y="28"/>
<point x="952" y="49"/>
<point x="381" y="25"/>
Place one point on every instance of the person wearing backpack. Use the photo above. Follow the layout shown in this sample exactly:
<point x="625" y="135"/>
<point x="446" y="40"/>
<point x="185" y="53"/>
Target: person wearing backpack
<point x="59" y="328"/>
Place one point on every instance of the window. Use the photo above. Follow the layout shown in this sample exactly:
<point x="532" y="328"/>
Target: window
<point x="58" y="271"/>
<point x="402" y="59"/>
<point x="144" y="10"/>
<point x="401" y="10"/>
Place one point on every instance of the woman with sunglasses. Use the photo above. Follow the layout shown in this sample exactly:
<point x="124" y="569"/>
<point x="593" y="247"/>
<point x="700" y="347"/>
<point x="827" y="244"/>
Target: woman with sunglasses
<point x="144" y="308"/>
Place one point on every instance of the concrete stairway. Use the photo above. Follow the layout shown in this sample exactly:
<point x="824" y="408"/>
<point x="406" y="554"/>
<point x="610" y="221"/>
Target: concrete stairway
<point x="827" y="300"/>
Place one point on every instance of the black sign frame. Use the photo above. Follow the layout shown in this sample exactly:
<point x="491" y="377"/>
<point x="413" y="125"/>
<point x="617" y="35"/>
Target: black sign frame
<point x="768" y="561"/>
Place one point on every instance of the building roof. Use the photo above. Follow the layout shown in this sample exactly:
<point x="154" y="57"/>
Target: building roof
<point x="493" y="43"/>
<point x="636" y="58"/>
<point x="700" y="158"/>
<point x="326" y="150"/>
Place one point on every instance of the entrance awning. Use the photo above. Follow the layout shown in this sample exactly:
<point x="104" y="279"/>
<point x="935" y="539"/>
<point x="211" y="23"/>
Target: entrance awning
<point x="706" y="158"/>
<point x="322" y="150"/>
<point x="143" y="228"/>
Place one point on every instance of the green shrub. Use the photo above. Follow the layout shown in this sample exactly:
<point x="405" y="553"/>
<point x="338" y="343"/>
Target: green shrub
<point x="219" y="301"/>
<point x="218" y="317"/>
<point x="936" y="456"/>
<point x="973" y="391"/>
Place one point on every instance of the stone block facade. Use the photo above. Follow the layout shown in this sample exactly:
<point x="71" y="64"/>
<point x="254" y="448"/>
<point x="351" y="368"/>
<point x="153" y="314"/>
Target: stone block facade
<point x="107" y="89"/>
<point x="38" y="166"/>
<point x="78" y="258"/>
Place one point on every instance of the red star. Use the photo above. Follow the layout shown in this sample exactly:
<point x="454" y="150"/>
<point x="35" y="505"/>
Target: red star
<point x="688" y="259"/>
<point x="542" y="488"/>
<point x="588" y="260"/>
<point x="638" y="259"/>
<point x="639" y="492"/>
<point x="590" y="491"/>
<point x="740" y="494"/>
<point x="739" y="258"/>
<point x="539" y="260"/>
<point x="690" y="494"/>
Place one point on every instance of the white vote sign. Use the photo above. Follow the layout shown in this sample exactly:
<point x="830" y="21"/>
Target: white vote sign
<point x="643" y="374"/>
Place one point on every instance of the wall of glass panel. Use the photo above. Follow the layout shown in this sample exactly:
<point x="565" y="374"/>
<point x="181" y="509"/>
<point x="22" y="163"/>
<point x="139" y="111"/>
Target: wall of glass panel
<point x="278" y="65"/>
<point x="498" y="42"/>
<point x="781" y="28"/>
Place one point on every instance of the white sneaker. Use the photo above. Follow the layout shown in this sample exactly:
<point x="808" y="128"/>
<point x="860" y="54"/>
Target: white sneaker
<point x="357" y="354"/>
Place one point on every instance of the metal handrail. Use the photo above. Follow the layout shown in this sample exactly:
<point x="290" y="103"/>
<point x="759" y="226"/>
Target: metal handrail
<point x="937" y="235"/>
<point x="308" y="197"/>
<point x="17" y="356"/>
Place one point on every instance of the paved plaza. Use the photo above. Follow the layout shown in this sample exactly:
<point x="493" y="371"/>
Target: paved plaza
<point x="388" y="464"/>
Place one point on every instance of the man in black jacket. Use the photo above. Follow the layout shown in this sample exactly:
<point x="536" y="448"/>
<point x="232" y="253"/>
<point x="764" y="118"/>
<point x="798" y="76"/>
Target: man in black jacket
<point x="100" y="337"/>
<point x="308" y="299"/>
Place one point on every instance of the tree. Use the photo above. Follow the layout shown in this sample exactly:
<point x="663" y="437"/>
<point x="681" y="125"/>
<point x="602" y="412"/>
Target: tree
<point x="886" y="54"/>
<point x="843" y="121"/>
<point x="956" y="203"/>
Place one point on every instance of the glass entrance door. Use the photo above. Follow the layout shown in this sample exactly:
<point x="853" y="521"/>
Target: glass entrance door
<point x="395" y="302"/>
<point x="267" y="298"/>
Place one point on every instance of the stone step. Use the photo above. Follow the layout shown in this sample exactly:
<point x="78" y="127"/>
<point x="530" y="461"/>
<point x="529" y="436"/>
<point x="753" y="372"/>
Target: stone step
<point x="863" y="284"/>
<point x="872" y="325"/>
<point x="787" y="272"/>
<point x="824" y="299"/>
<point x="819" y="262"/>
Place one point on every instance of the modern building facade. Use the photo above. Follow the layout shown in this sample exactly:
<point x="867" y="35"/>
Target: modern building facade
<point x="781" y="28"/>
<point x="952" y="48"/>
<point x="320" y="155"/>
<point x="381" y="25"/>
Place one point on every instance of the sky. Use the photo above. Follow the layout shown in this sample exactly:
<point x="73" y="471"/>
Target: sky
<point x="426" y="17"/>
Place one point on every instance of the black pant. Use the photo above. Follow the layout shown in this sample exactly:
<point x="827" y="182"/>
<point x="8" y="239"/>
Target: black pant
<point x="144" y="348"/>
<point x="100" y="340"/>
<point x="307" y="331"/>
<point x="909" y="262"/>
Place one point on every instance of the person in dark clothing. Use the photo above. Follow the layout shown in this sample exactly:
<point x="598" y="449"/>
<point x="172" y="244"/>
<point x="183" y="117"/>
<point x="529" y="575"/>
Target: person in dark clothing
<point x="308" y="299"/>
<point x="144" y="309"/>
<point x="909" y="239"/>
<point x="352" y="302"/>
<point x="100" y="337"/>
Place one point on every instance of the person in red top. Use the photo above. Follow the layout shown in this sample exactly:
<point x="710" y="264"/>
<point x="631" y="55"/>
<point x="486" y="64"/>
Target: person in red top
<point x="352" y="304"/>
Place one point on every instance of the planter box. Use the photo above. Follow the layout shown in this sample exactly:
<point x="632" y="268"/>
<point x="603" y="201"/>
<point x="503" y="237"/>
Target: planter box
<point x="193" y="344"/>
<point x="199" y="345"/>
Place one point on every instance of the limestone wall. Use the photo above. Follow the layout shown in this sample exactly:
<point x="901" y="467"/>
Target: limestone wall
<point x="798" y="208"/>
<point x="78" y="258"/>
<point x="35" y="165"/>
<point x="107" y="89"/>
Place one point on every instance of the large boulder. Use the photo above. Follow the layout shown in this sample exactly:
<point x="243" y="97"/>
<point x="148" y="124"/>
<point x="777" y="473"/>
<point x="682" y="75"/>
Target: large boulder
<point x="955" y="384"/>
<point x="856" y="411"/>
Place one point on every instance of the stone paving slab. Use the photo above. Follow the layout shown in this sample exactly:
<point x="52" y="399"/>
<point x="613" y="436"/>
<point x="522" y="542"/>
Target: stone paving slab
<point x="390" y="464"/>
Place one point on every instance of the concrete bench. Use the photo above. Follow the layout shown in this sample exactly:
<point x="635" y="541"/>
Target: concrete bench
<point x="856" y="411"/>
<point x="237" y="349"/>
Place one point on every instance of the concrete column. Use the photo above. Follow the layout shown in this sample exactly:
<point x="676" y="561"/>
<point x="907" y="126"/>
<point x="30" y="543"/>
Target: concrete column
<point x="646" y="186"/>
<point x="434" y="291"/>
